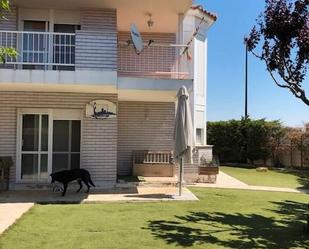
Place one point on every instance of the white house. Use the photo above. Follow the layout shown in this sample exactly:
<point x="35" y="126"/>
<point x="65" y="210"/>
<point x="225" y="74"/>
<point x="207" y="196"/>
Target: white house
<point x="75" y="63"/>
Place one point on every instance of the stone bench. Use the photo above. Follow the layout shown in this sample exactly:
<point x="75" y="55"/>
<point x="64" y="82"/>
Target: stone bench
<point x="153" y="163"/>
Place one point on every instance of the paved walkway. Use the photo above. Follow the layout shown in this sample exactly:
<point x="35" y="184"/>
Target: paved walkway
<point x="10" y="212"/>
<point x="97" y="196"/>
<point x="228" y="182"/>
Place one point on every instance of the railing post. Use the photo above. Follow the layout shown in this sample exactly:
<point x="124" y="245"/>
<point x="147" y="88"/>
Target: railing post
<point x="50" y="50"/>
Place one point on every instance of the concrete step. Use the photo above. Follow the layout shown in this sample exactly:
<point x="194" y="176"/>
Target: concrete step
<point x="150" y="182"/>
<point x="158" y="184"/>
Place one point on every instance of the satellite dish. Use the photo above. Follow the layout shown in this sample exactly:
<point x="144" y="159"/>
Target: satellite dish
<point x="136" y="39"/>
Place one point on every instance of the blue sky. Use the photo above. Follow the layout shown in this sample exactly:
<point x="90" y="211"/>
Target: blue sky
<point x="226" y="69"/>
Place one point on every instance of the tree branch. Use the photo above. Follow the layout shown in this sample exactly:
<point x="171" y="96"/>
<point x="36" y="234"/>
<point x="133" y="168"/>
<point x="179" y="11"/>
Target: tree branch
<point x="297" y="91"/>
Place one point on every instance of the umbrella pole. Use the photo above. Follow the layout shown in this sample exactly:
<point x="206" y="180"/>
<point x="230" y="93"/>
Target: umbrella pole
<point x="180" y="176"/>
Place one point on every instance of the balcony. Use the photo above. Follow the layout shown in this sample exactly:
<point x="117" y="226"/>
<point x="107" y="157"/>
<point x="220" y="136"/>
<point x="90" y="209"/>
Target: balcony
<point x="156" y="61"/>
<point x="58" y="51"/>
<point x="39" y="50"/>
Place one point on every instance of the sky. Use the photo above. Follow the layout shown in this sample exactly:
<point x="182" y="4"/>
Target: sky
<point x="226" y="63"/>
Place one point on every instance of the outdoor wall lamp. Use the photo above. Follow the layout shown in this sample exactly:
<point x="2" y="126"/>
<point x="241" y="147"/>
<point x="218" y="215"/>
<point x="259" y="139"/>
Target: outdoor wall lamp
<point x="150" y="22"/>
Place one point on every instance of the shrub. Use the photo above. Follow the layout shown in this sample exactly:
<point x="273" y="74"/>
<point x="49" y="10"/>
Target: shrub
<point x="237" y="141"/>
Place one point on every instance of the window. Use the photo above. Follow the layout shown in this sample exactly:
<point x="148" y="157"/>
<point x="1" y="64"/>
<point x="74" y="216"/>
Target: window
<point x="66" y="144"/>
<point x="199" y="136"/>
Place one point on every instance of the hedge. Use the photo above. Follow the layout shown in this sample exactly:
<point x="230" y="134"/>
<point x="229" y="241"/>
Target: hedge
<point x="242" y="141"/>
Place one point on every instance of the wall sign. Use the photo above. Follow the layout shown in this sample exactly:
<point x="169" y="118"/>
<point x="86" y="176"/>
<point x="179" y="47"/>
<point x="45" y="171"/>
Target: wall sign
<point x="101" y="109"/>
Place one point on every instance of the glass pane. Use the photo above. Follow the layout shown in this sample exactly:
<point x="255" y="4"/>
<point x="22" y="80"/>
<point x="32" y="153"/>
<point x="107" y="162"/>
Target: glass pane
<point x="75" y="161"/>
<point x="75" y="137"/>
<point x="29" y="167"/>
<point x="61" y="136"/>
<point x="65" y="28"/>
<point x="34" y="44"/>
<point x="30" y="132"/>
<point x="34" y="26"/>
<point x="44" y="133"/>
<point x="44" y="173"/>
<point x="199" y="136"/>
<point x="60" y="162"/>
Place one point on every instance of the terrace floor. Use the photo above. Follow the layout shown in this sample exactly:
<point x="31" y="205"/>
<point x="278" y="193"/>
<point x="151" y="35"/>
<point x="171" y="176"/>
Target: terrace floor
<point x="123" y="195"/>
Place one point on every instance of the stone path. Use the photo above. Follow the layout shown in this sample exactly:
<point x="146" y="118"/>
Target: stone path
<point x="10" y="212"/>
<point x="228" y="182"/>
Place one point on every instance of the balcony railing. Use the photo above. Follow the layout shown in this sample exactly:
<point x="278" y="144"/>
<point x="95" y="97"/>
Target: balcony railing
<point x="40" y="50"/>
<point x="156" y="60"/>
<point x="57" y="51"/>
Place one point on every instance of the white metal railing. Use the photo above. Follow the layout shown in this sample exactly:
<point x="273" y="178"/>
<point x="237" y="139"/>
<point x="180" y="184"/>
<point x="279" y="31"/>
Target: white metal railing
<point x="37" y="49"/>
<point x="156" y="60"/>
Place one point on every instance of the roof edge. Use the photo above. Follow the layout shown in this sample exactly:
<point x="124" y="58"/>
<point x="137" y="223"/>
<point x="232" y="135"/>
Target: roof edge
<point x="200" y="8"/>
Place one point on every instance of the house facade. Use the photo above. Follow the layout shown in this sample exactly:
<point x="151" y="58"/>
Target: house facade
<point x="78" y="94"/>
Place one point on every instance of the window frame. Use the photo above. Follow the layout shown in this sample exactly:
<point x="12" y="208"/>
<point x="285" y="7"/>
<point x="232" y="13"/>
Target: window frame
<point x="69" y="152"/>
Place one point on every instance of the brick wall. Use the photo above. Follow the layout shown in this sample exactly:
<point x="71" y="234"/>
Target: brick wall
<point x="99" y="137"/>
<point x="96" y="42"/>
<point x="143" y="126"/>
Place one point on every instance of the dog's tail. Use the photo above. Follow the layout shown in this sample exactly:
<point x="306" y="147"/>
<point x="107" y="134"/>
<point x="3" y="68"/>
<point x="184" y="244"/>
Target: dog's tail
<point x="91" y="182"/>
<point x="88" y="177"/>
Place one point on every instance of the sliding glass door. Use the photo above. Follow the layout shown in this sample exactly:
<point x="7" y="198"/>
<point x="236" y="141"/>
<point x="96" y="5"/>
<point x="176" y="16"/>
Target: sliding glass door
<point x="46" y="143"/>
<point x="34" y="147"/>
<point x="66" y="144"/>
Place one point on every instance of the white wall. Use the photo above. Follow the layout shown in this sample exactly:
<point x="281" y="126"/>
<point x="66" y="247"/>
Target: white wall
<point x="51" y="15"/>
<point x="197" y="66"/>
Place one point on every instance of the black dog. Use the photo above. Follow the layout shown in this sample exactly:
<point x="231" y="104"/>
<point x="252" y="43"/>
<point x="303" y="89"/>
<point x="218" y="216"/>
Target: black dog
<point x="66" y="176"/>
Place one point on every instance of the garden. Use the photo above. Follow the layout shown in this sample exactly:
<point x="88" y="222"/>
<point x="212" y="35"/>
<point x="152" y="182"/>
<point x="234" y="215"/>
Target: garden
<point x="221" y="219"/>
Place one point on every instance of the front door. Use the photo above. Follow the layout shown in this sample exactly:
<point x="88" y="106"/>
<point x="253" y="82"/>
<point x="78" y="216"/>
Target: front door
<point x="47" y="142"/>
<point x="34" y="147"/>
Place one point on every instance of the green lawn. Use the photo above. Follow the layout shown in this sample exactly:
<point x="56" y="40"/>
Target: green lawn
<point x="272" y="178"/>
<point x="221" y="219"/>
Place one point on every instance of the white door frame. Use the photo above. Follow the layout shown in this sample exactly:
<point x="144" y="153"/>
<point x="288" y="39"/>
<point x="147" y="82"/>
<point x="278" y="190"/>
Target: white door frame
<point x="20" y="113"/>
<point x="53" y="114"/>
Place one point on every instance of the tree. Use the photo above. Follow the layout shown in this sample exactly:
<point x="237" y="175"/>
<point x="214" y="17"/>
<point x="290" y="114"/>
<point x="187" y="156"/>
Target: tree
<point x="5" y="51"/>
<point x="275" y="141"/>
<point x="281" y="37"/>
<point x="4" y="7"/>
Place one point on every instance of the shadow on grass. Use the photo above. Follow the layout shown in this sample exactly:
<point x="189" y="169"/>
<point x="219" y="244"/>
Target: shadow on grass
<point x="302" y="177"/>
<point x="237" y="230"/>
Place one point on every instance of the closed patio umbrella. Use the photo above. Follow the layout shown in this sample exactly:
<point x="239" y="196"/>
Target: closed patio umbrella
<point x="183" y="133"/>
